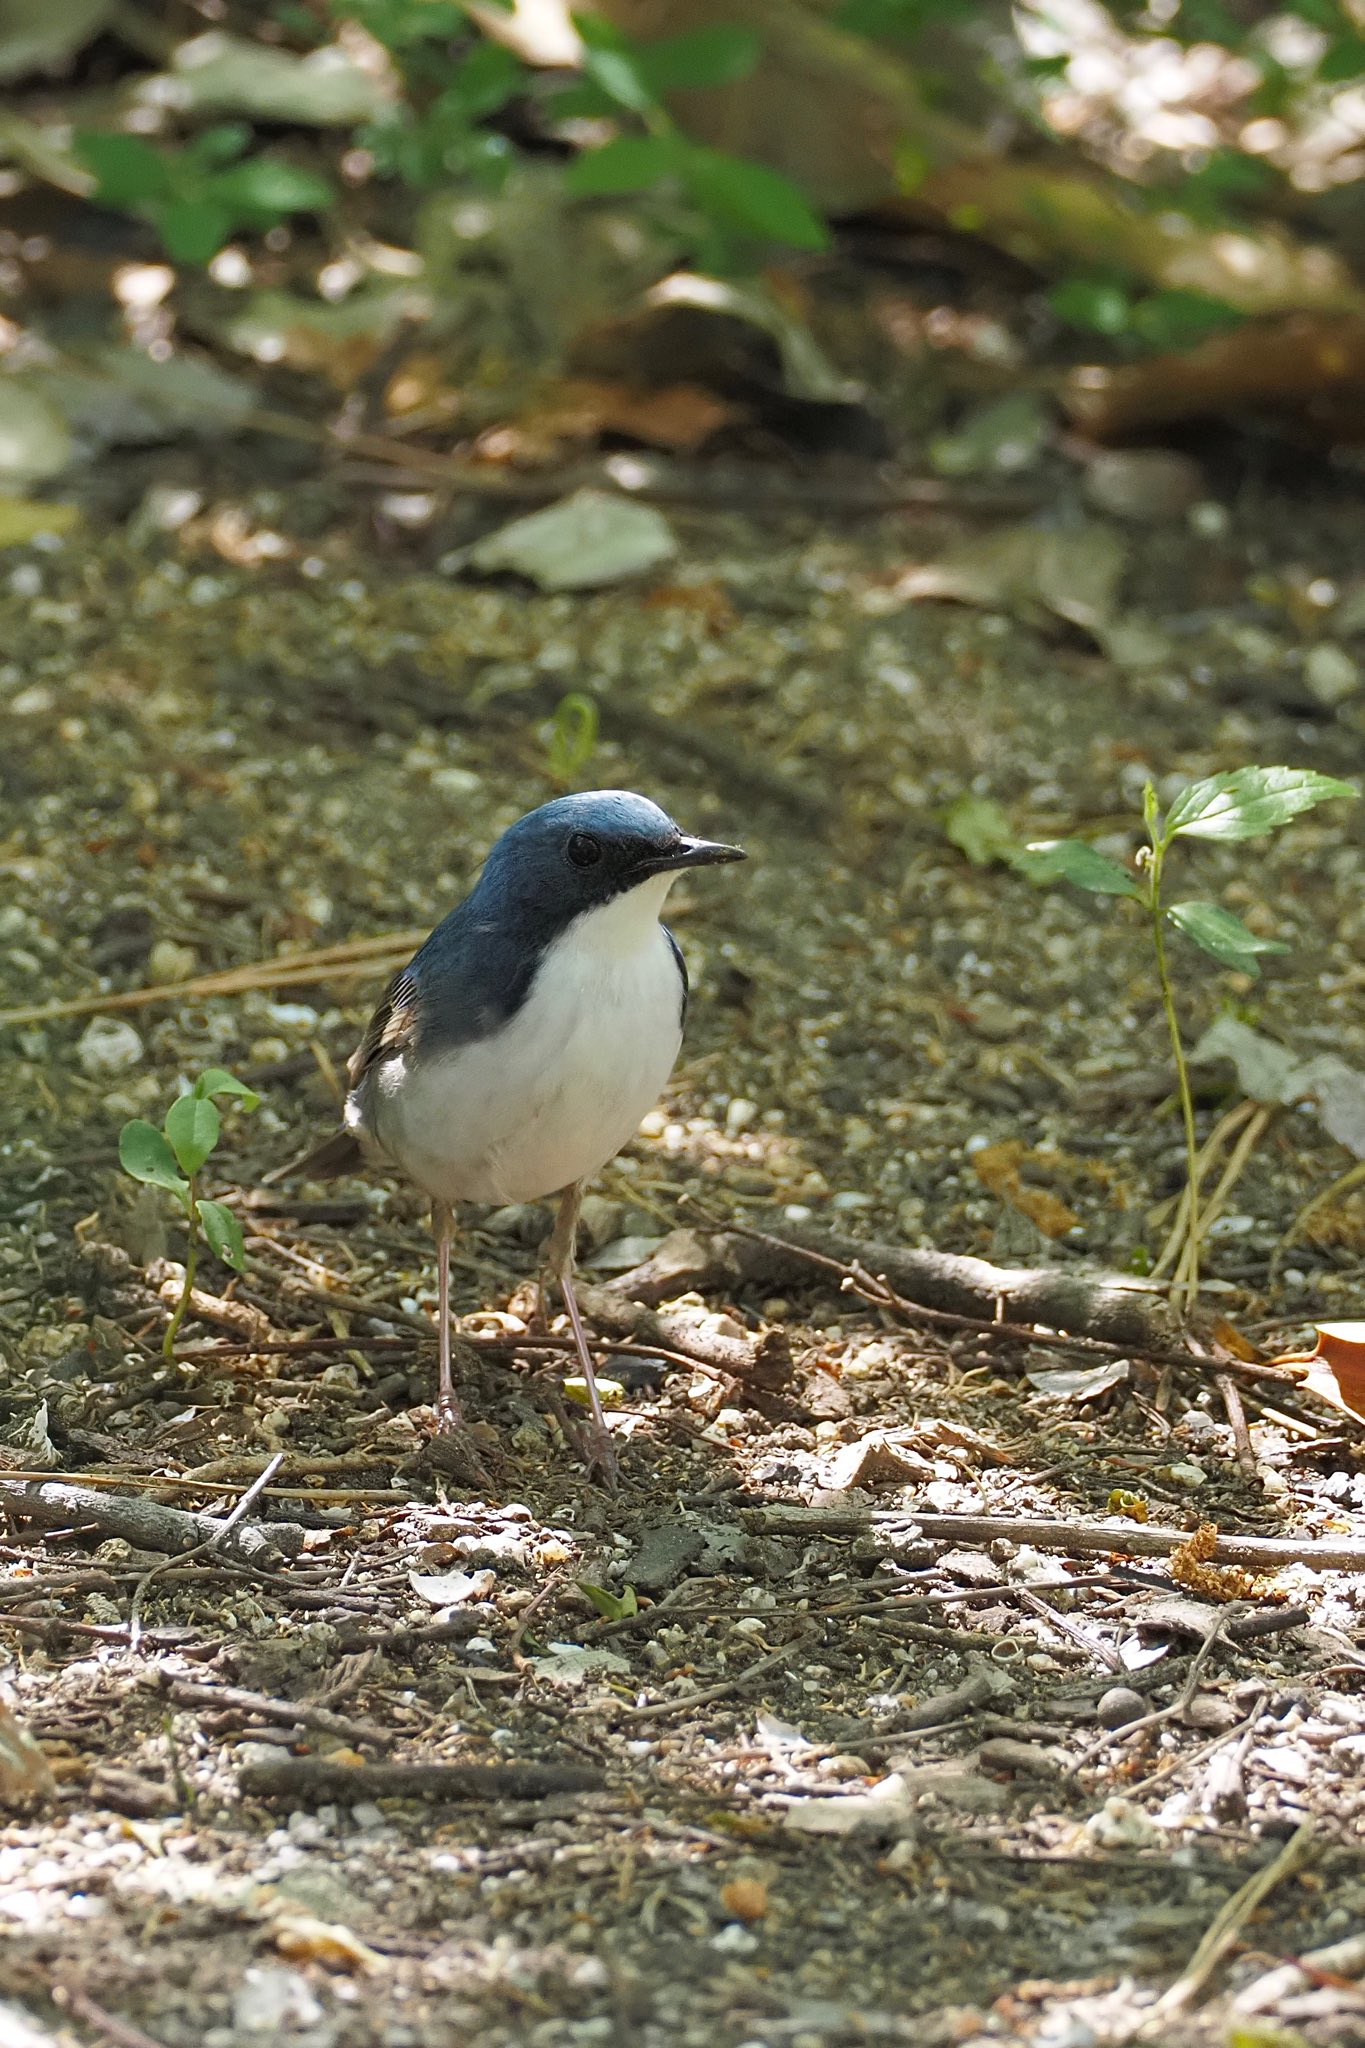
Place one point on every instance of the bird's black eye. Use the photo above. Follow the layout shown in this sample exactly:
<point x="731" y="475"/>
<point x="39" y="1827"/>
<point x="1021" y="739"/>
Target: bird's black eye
<point x="584" y="850"/>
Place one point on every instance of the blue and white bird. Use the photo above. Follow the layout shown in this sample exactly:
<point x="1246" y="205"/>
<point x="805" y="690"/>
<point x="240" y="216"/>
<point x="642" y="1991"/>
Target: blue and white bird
<point x="519" y="1049"/>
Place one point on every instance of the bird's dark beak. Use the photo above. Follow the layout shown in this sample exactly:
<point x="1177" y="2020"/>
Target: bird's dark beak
<point x="693" y="853"/>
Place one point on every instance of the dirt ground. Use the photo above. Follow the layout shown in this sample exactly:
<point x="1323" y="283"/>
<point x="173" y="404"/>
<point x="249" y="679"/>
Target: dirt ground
<point x="801" y="1770"/>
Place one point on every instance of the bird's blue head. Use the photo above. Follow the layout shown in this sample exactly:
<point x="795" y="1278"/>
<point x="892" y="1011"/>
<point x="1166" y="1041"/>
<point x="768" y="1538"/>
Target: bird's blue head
<point x="580" y="852"/>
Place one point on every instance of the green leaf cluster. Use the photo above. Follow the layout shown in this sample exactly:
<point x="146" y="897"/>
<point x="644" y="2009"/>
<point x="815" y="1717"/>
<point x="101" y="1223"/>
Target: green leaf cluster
<point x="1244" y="803"/>
<point x="198" y="197"/>
<point x="738" y="199"/>
<point x="1160" y="320"/>
<point x="173" y="1156"/>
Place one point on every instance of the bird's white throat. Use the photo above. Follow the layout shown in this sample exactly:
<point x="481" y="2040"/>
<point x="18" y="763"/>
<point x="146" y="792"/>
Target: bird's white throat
<point x="627" y="925"/>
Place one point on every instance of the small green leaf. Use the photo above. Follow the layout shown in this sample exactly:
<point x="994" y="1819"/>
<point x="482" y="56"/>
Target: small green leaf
<point x="221" y="144"/>
<point x="217" y="1081"/>
<point x="614" y="1606"/>
<point x="1180" y="319"/>
<point x="1093" y="304"/>
<point x="1221" y="934"/>
<point x="129" y="171"/>
<point x="266" y="189"/>
<point x="752" y="198"/>
<point x="573" y="736"/>
<point x="488" y="78"/>
<point x="1072" y="860"/>
<point x="193" y="230"/>
<point x="224" y="1233"/>
<point x="614" y="64"/>
<point x="628" y="163"/>
<point x="192" y="1125"/>
<point x="1151" y="811"/>
<point x="1246" y="803"/>
<point x="1343" y="63"/>
<point x="978" y="827"/>
<point x="144" y="1153"/>
<point x="699" y="58"/>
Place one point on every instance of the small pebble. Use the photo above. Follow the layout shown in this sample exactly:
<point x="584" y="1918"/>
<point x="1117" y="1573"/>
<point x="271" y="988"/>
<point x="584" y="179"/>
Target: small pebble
<point x="1151" y="485"/>
<point x="168" y="961"/>
<point x="1331" y="674"/>
<point x="1119" y="1706"/>
<point x="108" y="1046"/>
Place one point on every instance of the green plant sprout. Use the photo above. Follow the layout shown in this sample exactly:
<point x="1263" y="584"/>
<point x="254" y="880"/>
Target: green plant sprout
<point x="173" y="1158"/>
<point x="1245" y="803"/>
<point x="572" y="738"/>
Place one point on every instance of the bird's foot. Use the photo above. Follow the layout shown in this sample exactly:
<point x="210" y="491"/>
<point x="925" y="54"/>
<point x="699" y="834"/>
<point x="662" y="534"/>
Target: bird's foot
<point x="452" y="1451"/>
<point x="449" y="1415"/>
<point x="599" y="1455"/>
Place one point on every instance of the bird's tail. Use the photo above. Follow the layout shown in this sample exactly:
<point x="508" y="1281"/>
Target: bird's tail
<point x="338" y="1154"/>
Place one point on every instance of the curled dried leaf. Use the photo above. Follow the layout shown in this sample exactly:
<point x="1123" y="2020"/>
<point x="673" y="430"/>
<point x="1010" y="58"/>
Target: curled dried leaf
<point x="1192" y="1566"/>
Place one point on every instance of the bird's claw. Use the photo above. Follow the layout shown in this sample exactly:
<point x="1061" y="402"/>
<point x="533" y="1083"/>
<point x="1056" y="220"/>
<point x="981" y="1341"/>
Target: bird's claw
<point x="599" y="1456"/>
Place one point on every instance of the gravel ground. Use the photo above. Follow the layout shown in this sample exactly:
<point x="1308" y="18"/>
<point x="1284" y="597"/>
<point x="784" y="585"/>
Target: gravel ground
<point x="830" y="1776"/>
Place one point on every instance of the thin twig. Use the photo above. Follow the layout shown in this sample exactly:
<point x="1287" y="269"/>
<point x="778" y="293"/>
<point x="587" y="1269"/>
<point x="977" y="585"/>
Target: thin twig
<point x="705" y="1694"/>
<point x="1197" y="1756"/>
<point x="210" y="1543"/>
<point x="1229" y="1921"/>
<point x="1161" y="1715"/>
<point x="283" y="1713"/>
<point x="71" y="1999"/>
<point x="285" y="970"/>
<point x="1236" y="1414"/>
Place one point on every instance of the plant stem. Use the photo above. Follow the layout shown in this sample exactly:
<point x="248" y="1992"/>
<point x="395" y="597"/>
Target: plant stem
<point x="191" y="1262"/>
<point x="1182" y="1077"/>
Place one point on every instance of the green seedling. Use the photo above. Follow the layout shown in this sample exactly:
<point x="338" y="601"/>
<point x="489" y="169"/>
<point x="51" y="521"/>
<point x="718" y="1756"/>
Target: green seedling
<point x="572" y="737"/>
<point x="611" y="1606"/>
<point x="173" y="1158"/>
<point x="1246" y="803"/>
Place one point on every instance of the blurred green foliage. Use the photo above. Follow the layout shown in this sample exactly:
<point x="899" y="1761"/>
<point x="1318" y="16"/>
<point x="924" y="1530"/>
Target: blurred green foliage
<point x="459" y="108"/>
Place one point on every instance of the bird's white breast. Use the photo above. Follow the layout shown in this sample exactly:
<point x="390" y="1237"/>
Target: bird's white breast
<point x="557" y="1092"/>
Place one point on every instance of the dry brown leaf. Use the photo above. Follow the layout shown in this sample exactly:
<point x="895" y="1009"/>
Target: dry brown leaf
<point x="310" y="1940"/>
<point x="1311" y="366"/>
<point x="1336" y="1366"/>
<point x="678" y="417"/>
<point x="1234" y="1343"/>
<point x="1192" y="1567"/>
<point x="24" y="1771"/>
<point x="1000" y="1168"/>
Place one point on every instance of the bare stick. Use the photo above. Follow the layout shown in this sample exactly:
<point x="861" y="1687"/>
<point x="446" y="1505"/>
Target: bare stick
<point x="312" y="1778"/>
<point x="1236" y="1414"/>
<point x="737" y="1682"/>
<point x="120" y="2031"/>
<point x="1229" y="1922"/>
<point x="213" y="1541"/>
<point x="1084" y="1539"/>
<point x="284" y="1713"/>
<point x="147" y="1525"/>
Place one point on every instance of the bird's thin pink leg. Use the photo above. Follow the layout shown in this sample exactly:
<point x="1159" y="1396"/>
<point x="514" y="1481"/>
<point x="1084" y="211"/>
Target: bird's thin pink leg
<point x="449" y="1415"/>
<point x="559" y="1257"/>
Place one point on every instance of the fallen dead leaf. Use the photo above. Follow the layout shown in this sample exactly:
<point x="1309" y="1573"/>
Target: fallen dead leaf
<point x="1000" y="1168"/>
<point x="1037" y="573"/>
<point x="1336" y="1366"/>
<point x="875" y="1460"/>
<point x="24" y="1771"/>
<point x="1191" y="1567"/>
<point x="307" y="1939"/>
